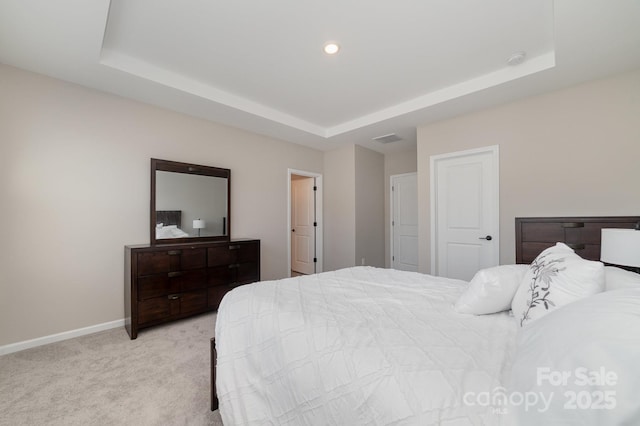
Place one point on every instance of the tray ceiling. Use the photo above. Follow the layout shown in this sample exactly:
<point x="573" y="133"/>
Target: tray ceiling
<point x="260" y="65"/>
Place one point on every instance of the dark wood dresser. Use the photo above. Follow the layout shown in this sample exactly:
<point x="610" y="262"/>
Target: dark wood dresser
<point x="169" y="282"/>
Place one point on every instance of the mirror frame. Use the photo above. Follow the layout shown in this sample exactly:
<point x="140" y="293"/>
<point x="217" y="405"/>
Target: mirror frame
<point x="194" y="169"/>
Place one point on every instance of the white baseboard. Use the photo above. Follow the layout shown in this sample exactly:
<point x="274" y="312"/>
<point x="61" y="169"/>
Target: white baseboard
<point x="20" y="346"/>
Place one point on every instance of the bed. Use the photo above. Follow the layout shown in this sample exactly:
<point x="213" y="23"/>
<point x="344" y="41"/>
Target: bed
<point x="376" y="346"/>
<point x="169" y="217"/>
<point x="169" y="223"/>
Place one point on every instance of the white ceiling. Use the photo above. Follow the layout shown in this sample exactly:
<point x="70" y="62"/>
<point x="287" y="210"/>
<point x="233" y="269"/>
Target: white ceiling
<point x="259" y="65"/>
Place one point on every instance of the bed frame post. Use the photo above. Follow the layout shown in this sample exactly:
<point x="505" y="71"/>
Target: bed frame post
<point x="214" y="360"/>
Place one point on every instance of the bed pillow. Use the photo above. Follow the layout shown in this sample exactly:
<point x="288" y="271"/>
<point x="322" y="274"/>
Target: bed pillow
<point x="617" y="278"/>
<point x="556" y="277"/>
<point x="583" y="359"/>
<point x="491" y="290"/>
<point x="170" y="231"/>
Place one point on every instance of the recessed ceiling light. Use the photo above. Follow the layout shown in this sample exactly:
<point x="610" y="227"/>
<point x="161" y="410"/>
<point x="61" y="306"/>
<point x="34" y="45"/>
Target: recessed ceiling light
<point x="516" y="59"/>
<point x="331" y="48"/>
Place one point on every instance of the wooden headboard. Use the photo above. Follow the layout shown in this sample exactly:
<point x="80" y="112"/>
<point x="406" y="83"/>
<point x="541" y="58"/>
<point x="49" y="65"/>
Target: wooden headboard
<point x="169" y="217"/>
<point x="534" y="234"/>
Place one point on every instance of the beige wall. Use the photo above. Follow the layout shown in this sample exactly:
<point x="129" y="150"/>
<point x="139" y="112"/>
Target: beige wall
<point x="369" y="200"/>
<point x="74" y="176"/>
<point x="353" y="207"/>
<point x="395" y="164"/>
<point x="339" y="208"/>
<point x="570" y="152"/>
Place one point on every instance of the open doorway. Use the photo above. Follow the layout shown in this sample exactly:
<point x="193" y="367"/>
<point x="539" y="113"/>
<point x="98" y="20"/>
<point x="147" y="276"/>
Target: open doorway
<point x="305" y="223"/>
<point x="404" y="222"/>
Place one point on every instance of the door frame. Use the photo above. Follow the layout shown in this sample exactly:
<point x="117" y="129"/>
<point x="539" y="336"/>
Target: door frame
<point x="391" y="205"/>
<point x="318" y="213"/>
<point x="494" y="150"/>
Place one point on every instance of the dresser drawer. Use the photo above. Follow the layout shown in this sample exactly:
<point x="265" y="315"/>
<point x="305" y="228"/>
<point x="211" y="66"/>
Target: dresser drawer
<point x="151" y="286"/>
<point x="219" y="275"/>
<point x="247" y="273"/>
<point x="158" y="309"/>
<point x="248" y="252"/>
<point x="220" y="255"/>
<point x="167" y="307"/>
<point x="193" y="259"/>
<point x="216" y="294"/>
<point x="171" y="260"/>
<point x="193" y="301"/>
<point x="233" y="252"/>
<point x="191" y="280"/>
<point x="234" y="263"/>
<point x="153" y="262"/>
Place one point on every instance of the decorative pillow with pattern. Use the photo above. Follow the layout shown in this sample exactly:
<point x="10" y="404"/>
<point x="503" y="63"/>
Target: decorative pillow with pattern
<point x="556" y="277"/>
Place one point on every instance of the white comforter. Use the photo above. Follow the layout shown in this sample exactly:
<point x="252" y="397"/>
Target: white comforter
<point x="358" y="346"/>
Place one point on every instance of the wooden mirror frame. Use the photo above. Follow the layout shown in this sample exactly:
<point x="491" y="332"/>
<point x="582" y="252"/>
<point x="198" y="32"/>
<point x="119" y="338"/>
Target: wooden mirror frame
<point x="194" y="169"/>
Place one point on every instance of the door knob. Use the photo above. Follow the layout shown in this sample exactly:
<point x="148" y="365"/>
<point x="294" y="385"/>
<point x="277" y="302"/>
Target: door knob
<point x="293" y="230"/>
<point x="488" y="238"/>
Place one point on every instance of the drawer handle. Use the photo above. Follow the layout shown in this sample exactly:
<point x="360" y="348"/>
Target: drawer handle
<point x="234" y="265"/>
<point x="173" y="252"/>
<point x="573" y="225"/>
<point x="236" y="247"/>
<point x="577" y="246"/>
<point x="174" y="274"/>
<point x="173" y="297"/>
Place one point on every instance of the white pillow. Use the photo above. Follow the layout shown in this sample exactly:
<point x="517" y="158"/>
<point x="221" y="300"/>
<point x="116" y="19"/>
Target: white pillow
<point x="617" y="278"/>
<point x="556" y="277"/>
<point x="583" y="359"/>
<point x="491" y="290"/>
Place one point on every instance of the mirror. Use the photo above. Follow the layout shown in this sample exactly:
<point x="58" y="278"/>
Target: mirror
<point x="189" y="202"/>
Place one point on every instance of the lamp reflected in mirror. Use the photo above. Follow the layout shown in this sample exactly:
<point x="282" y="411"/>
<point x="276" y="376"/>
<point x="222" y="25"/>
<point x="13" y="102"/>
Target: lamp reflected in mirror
<point x="198" y="224"/>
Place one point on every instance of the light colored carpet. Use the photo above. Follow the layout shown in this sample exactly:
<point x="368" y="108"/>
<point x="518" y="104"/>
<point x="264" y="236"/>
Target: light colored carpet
<point x="161" y="378"/>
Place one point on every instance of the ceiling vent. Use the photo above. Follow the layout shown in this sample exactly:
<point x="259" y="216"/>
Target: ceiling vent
<point x="391" y="137"/>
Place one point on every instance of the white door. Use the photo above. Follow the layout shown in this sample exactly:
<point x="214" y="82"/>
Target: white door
<point x="404" y="222"/>
<point x="464" y="211"/>
<point x="302" y="224"/>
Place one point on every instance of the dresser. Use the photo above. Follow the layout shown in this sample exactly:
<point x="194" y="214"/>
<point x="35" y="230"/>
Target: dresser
<point x="168" y="282"/>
